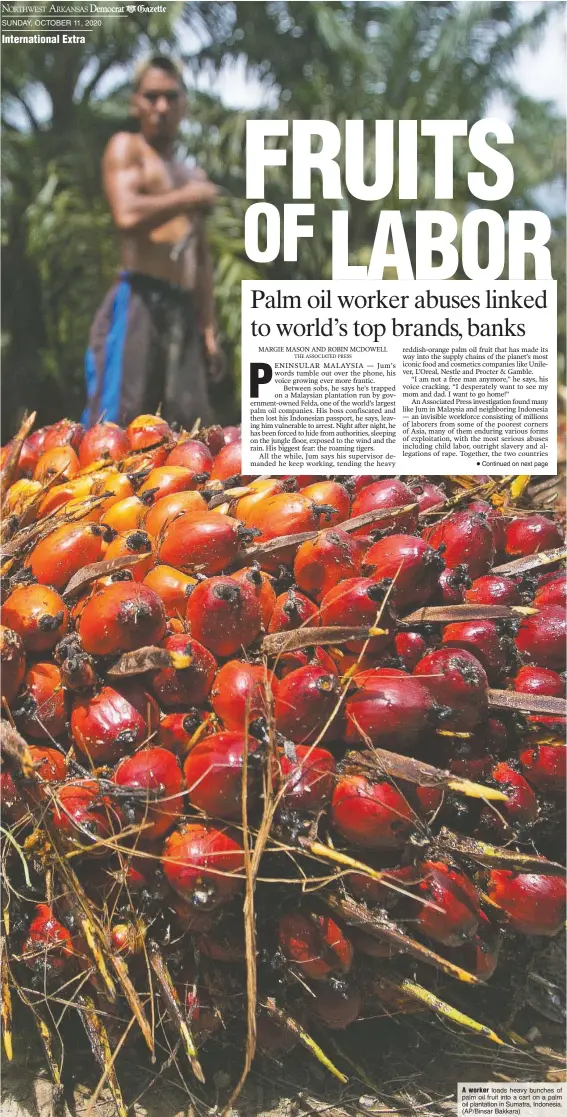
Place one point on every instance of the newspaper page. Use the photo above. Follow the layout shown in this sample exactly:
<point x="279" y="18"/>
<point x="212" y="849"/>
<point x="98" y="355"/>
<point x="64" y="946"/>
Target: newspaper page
<point x="399" y="375"/>
<point x="283" y="595"/>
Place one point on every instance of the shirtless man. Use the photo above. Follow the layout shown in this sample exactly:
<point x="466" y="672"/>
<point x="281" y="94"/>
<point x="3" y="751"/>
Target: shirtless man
<point x="153" y="340"/>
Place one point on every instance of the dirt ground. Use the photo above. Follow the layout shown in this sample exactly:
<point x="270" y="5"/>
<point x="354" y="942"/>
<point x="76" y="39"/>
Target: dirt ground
<point x="396" y="1068"/>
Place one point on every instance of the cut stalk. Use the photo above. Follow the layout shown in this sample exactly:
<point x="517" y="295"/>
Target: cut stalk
<point x="413" y="989"/>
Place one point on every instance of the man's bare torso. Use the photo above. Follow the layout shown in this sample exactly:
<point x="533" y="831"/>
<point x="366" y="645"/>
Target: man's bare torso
<point x="150" y="252"/>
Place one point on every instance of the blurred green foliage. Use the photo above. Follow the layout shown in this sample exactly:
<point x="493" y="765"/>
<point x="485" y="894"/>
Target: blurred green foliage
<point x="320" y="60"/>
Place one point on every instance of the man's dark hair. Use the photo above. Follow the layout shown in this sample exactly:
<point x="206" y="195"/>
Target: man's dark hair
<point x="157" y="62"/>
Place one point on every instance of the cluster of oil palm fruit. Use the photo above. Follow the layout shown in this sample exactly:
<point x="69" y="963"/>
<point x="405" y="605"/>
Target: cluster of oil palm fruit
<point x="336" y="703"/>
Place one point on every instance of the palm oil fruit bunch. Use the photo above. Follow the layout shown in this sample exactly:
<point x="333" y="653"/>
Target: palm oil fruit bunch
<point x="217" y="685"/>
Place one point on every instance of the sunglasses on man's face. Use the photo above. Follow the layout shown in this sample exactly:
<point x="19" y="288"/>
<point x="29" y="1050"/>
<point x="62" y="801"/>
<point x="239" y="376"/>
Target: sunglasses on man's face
<point x="171" y="96"/>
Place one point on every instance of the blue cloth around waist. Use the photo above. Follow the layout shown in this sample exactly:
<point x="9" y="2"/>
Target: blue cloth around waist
<point x="109" y="399"/>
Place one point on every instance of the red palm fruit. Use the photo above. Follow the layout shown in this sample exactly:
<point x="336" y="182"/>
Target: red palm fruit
<point x="139" y="875"/>
<point x="105" y="440"/>
<point x="263" y="588"/>
<point x="336" y="1008"/>
<point x="165" y="480"/>
<point x="19" y="498"/>
<point x="457" y="680"/>
<point x="120" y="618"/>
<point x="43" y="713"/>
<point x="115" y="487"/>
<point x="147" y="430"/>
<point x="553" y="592"/>
<point x="308" y="777"/>
<point x="374" y="891"/>
<point x="49" y="764"/>
<point x="386" y="493"/>
<point x="228" y="463"/>
<point x="391" y="711"/>
<point x="107" y="725"/>
<point x="165" y="510"/>
<point x="449" y="889"/>
<point x="369" y="946"/>
<point x="241" y="692"/>
<point x="224" y="941"/>
<point x="469" y="758"/>
<point x="543" y="765"/>
<point x="539" y="680"/>
<point x="31" y="451"/>
<point x="192" y="455"/>
<point x="213" y="438"/>
<point x="172" y="586"/>
<point x="357" y="602"/>
<point x="196" y="1003"/>
<point x="133" y="543"/>
<point x="377" y="671"/>
<point x="453" y="585"/>
<point x="156" y="771"/>
<point x="65" y="551"/>
<point x="493" y="589"/>
<point x="495" y="521"/>
<point x="293" y="610"/>
<point x="479" y="956"/>
<point x="305" y="702"/>
<point x="521" y="807"/>
<point x="213" y="774"/>
<point x="322" y="562"/>
<point x="224" y="615"/>
<point x="285" y="514"/>
<point x="272" y="1036"/>
<point x="200" y="539"/>
<point x="61" y="462"/>
<point x="332" y="493"/>
<point x="530" y="534"/>
<point x="371" y="813"/>
<point x="482" y="639"/>
<point x="410" y="648"/>
<point x="541" y="637"/>
<point x="290" y="661"/>
<point x="359" y="482"/>
<point x="198" y="922"/>
<point x="14" y="806"/>
<point x="257" y="491"/>
<point x="412" y="565"/>
<point x="127" y="937"/>
<point x="497" y="736"/>
<point x="125" y="515"/>
<point x="48" y="947"/>
<point x="59" y="495"/>
<point x="184" y="685"/>
<point x="177" y="730"/>
<point x="315" y="945"/>
<point x="203" y="864"/>
<point x="81" y="813"/>
<point x="428" y="799"/>
<point x="231" y="434"/>
<point x="13" y="663"/>
<point x="427" y="495"/>
<point x="64" y="433"/>
<point x="534" y="904"/>
<point x="467" y="539"/>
